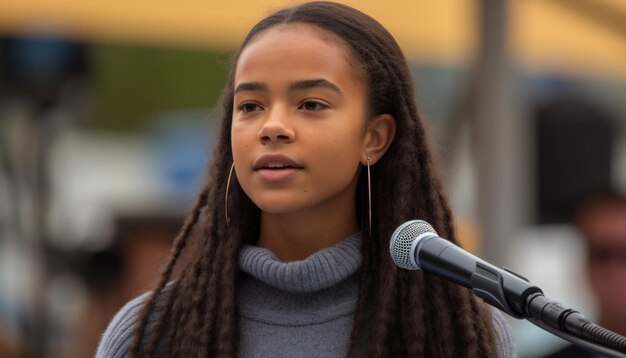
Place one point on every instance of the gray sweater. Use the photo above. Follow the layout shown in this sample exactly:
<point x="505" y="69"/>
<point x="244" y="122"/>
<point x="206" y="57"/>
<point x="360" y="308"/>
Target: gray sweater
<point x="297" y="309"/>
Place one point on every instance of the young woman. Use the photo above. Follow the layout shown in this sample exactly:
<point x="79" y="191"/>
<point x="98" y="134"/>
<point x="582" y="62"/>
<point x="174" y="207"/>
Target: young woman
<point x="322" y="154"/>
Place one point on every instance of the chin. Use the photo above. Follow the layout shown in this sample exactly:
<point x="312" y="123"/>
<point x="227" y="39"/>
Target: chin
<point x="279" y="202"/>
<point x="276" y="208"/>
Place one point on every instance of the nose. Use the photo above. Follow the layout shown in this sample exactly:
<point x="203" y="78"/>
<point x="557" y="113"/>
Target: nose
<point x="277" y="128"/>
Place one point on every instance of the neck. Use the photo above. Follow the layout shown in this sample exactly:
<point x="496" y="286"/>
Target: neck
<point x="295" y="237"/>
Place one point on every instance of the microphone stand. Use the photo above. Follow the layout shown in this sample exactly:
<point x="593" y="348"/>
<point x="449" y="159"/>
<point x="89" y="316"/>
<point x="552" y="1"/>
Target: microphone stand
<point x="516" y="296"/>
<point x="592" y="346"/>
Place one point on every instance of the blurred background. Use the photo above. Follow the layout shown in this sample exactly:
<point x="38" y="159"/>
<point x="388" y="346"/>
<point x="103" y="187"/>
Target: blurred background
<point x="107" y="123"/>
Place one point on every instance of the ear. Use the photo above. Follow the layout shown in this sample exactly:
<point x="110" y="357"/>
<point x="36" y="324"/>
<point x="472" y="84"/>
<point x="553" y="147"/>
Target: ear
<point x="379" y="135"/>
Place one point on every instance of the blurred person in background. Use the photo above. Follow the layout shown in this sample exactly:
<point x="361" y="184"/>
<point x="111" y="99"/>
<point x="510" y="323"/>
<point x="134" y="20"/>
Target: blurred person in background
<point x="601" y="220"/>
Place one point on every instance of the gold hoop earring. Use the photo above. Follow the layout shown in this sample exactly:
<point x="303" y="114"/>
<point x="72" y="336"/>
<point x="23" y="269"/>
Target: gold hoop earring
<point x="369" y="195"/>
<point x="230" y="174"/>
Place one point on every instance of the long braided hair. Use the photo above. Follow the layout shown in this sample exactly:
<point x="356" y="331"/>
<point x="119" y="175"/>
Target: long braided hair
<point x="399" y="313"/>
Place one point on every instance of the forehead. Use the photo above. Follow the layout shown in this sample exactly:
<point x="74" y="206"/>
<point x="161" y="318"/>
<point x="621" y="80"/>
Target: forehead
<point x="290" y="46"/>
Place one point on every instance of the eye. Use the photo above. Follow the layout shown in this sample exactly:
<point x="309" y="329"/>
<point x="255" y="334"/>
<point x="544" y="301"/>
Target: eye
<point x="249" y="107"/>
<point x="312" y="106"/>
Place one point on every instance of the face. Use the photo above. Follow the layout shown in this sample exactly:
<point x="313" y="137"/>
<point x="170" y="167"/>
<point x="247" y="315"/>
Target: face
<point x="299" y="119"/>
<point x="605" y="230"/>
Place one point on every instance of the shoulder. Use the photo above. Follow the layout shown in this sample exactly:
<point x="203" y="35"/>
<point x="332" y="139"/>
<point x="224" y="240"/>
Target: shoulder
<point x="503" y="335"/>
<point x="116" y="340"/>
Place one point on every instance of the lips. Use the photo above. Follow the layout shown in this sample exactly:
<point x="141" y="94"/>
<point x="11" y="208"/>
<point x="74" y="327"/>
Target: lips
<point x="276" y="162"/>
<point x="276" y="168"/>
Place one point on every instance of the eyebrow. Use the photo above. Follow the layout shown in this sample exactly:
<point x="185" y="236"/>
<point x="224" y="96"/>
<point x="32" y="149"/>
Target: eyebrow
<point x="315" y="83"/>
<point x="251" y="86"/>
<point x="295" y="86"/>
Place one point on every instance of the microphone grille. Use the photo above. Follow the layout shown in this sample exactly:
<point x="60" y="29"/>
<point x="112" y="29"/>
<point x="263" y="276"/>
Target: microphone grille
<point x="402" y="240"/>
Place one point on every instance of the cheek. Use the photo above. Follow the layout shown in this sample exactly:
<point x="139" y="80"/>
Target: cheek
<point x="240" y="141"/>
<point x="241" y="148"/>
<point x="342" y="139"/>
<point x="337" y="159"/>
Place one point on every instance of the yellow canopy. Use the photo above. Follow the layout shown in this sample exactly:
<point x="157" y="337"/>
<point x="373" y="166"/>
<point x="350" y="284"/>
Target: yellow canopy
<point x="542" y="33"/>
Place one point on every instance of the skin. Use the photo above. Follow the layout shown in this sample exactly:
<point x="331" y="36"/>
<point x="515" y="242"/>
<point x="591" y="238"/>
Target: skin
<point x="604" y="227"/>
<point x="298" y="95"/>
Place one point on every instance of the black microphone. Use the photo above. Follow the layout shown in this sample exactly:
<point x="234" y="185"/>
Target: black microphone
<point x="416" y="246"/>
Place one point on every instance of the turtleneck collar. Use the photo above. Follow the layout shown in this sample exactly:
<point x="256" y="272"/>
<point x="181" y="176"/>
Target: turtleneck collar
<point x="322" y="270"/>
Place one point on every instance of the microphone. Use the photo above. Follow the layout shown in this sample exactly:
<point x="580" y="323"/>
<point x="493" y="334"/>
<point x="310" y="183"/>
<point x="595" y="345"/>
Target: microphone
<point x="416" y="246"/>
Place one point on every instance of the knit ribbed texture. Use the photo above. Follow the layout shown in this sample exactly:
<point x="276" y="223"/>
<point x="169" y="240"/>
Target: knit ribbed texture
<point x="301" y="308"/>
<point x="319" y="271"/>
<point x="319" y="289"/>
<point x="117" y="338"/>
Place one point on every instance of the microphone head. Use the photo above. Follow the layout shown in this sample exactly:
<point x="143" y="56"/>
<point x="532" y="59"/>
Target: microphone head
<point x="404" y="240"/>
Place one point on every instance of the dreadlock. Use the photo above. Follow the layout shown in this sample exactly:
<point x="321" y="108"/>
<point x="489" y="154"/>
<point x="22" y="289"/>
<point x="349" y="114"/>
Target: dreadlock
<point x="194" y="313"/>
